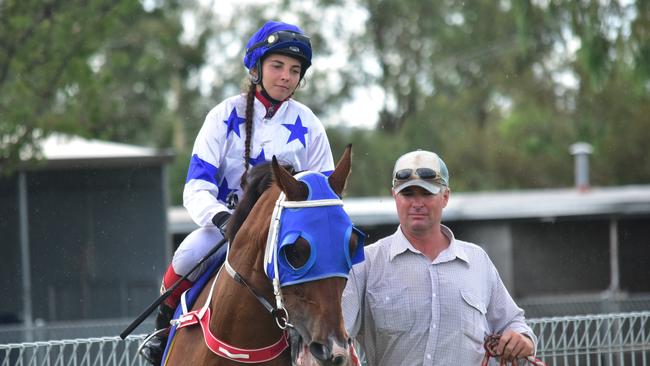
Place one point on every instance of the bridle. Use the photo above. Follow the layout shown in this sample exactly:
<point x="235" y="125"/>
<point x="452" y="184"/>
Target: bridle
<point x="279" y="312"/>
<point x="284" y="229"/>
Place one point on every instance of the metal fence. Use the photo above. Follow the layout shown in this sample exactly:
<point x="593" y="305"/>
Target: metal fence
<point x="107" y="351"/>
<point x="609" y="340"/>
<point x="592" y="340"/>
<point x="595" y="303"/>
<point x="70" y="330"/>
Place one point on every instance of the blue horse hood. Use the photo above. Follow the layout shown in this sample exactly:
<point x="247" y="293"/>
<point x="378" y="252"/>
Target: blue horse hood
<point x="327" y="229"/>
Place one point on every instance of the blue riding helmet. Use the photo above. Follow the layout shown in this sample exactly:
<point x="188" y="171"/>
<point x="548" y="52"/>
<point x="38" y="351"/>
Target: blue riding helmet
<point x="277" y="37"/>
<point x="327" y="229"/>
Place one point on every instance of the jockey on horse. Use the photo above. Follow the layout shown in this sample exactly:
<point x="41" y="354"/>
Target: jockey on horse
<point x="277" y="57"/>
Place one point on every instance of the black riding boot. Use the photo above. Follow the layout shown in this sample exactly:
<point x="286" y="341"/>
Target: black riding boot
<point x="153" y="350"/>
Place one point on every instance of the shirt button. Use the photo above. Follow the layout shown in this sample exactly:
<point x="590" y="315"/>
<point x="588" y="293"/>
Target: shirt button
<point x="434" y="295"/>
<point x="434" y="326"/>
<point x="428" y="356"/>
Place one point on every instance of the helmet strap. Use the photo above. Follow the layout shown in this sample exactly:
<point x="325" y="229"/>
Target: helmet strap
<point x="266" y="95"/>
<point x="256" y="78"/>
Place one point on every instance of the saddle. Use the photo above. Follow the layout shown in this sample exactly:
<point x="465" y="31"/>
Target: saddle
<point x="189" y="297"/>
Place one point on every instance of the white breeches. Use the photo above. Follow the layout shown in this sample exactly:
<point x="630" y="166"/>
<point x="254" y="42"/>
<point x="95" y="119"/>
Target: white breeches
<point x="193" y="248"/>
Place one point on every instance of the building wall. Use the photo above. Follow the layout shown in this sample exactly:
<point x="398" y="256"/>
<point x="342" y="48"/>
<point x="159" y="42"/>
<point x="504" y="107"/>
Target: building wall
<point x="634" y="254"/>
<point x="97" y="240"/>
<point x="537" y="258"/>
<point x="10" y="254"/>
<point x="561" y="257"/>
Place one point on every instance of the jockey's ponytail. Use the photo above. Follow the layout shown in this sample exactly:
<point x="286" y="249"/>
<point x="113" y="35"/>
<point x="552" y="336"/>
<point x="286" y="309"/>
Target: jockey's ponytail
<point x="250" y="107"/>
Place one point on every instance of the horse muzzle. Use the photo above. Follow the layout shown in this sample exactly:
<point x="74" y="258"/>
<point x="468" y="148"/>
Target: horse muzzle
<point x="319" y="354"/>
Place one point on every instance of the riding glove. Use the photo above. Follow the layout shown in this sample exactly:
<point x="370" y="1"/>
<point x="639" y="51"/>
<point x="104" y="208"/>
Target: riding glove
<point x="220" y="220"/>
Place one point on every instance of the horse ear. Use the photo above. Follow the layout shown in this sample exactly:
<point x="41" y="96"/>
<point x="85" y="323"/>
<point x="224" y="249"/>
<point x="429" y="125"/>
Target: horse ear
<point x="292" y="188"/>
<point x="341" y="172"/>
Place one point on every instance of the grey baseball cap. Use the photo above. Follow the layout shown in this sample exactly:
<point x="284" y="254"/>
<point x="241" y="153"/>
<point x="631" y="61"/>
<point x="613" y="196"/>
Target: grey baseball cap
<point x="420" y="168"/>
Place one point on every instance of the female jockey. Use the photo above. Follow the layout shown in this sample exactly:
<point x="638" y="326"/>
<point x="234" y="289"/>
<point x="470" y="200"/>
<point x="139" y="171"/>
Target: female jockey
<point x="238" y="133"/>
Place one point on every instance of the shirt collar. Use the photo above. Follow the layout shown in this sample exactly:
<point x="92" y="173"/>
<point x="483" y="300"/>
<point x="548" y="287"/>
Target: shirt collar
<point x="452" y="252"/>
<point x="270" y="106"/>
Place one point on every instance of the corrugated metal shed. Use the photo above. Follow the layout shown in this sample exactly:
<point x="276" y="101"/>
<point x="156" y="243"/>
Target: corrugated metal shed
<point x="544" y="204"/>
<point x="84" y="226"/>
<point x="68" y="151"/>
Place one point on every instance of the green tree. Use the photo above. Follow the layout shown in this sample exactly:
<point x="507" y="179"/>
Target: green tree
<point x="501" y="89"/>
<point x="99" y="68"/>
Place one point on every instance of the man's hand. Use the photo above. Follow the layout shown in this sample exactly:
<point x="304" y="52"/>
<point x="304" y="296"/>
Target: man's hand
<point x="514" y="345"/>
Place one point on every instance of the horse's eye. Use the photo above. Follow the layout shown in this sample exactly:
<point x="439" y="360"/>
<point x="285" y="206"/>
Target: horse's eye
<point x="297" y="253"/>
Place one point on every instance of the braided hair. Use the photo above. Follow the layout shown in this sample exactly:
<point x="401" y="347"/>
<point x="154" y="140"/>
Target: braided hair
<point x="250" y="108"/>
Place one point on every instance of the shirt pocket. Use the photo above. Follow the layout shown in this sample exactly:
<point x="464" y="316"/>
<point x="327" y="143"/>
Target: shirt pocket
<point x="391" y="310"/>
<point x="473" y="311"/>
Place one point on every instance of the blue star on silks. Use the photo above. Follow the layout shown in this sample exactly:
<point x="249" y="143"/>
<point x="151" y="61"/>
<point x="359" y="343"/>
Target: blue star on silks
<point x="233" y="122"/>
<point x="259" y="159"/>
<point x="224" y="191"/>
<point x="298" y="132"/>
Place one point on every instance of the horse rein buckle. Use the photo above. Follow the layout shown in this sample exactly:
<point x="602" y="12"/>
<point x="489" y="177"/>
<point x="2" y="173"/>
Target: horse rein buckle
<point x="282" y="321"/>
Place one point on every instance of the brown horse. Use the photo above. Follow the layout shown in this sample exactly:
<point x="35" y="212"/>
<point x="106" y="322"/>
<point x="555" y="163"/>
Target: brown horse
<point x="240" y="314"/>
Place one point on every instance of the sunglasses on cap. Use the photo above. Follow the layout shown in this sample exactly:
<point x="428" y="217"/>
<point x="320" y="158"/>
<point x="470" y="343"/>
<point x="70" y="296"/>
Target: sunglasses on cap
<point x="281" y="36"/>
<point x="422" y="173"/>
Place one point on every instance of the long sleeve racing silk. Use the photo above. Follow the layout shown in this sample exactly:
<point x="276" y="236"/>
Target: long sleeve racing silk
<point x="294" y="135"/>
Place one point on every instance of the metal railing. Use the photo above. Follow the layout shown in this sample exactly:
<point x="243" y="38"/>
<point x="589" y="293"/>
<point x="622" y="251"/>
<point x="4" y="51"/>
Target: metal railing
<point x="621" y="339"/>
<point x="607" y="340"/>
<point x="70" y="330"/>
<point x="591" y="303"/>
<point x="107" y="351"/>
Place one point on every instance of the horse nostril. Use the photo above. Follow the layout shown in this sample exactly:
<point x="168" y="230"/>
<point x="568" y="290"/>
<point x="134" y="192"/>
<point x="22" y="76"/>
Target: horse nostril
<point x="320" y="351"/>
<point x="338" y="360"/>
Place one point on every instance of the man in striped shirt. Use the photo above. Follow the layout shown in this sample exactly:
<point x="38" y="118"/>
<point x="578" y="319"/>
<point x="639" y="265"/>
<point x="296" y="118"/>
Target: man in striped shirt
<point x="423" y="297"/>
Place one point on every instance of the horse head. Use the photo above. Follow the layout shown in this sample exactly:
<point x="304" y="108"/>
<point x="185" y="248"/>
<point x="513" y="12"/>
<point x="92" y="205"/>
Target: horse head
<point x="316" y="245"/>
<point x="299" y="262"/>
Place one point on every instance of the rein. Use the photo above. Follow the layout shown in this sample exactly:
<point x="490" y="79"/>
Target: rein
<point x="490" y="345"/>
<point x="279" y="312"/>
<point x="281" y="321"/>
<point x="216" y="345"/>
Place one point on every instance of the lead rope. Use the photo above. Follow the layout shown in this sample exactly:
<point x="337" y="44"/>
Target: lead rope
<point x="490" y="345"/>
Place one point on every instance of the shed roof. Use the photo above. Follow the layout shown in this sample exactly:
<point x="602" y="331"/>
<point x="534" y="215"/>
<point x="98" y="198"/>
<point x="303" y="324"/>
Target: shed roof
<point x="542" y="204"/>
<point x="68" y="151"/>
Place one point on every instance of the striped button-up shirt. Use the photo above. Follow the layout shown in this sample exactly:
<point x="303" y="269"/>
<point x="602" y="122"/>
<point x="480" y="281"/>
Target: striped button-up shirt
<point x="405" y="309"/>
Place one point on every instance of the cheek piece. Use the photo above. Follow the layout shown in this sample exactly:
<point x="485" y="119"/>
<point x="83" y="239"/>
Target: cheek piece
<point x="322" y="221"/>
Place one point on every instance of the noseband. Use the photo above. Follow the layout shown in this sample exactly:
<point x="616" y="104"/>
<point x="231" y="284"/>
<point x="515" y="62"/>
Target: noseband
<point x="284" y="228"/>
<point x="279" y="313"/>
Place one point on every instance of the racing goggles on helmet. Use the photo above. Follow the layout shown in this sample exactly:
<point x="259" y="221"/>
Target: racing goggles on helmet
<point x="281" y="37"/>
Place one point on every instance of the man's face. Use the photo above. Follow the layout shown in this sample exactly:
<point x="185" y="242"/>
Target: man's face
<point x="418" y="210"/>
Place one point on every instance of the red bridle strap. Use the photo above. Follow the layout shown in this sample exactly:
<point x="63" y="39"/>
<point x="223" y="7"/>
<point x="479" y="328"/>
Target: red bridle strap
<point x="228" y="351"/>
<point x="490" y="346"/>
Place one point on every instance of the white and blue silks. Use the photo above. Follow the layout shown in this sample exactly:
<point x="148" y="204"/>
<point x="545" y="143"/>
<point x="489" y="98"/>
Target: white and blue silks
<point x="294" y="135"/>
<point x="323" y="223"/>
